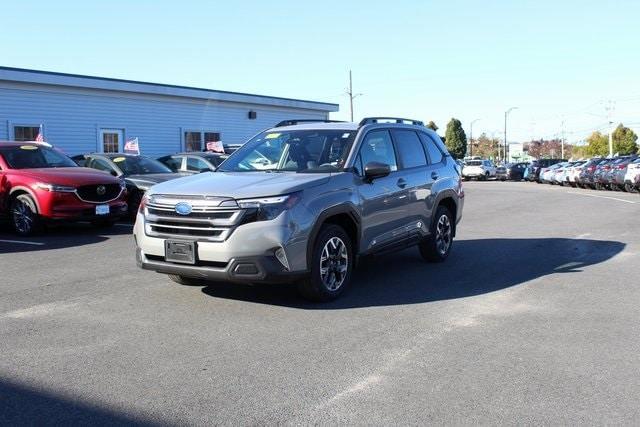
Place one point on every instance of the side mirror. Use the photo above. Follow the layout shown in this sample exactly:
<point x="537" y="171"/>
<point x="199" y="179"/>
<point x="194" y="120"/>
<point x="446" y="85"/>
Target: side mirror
<point x="374" y="170"/>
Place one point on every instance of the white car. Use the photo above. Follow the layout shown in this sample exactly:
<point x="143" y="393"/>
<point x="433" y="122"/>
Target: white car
<point x="632" y="177"/>
<point x="479" y="169"/>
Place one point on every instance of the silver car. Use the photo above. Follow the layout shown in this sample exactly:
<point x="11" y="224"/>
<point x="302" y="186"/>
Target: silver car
<point x="301" y="202"/>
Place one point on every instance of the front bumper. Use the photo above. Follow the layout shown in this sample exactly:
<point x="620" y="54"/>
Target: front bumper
<point x="263" y="269"/>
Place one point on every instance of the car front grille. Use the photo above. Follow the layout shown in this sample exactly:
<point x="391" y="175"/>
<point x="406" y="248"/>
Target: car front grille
<point x="99" y="193"/>
<point x="207" y="220"/>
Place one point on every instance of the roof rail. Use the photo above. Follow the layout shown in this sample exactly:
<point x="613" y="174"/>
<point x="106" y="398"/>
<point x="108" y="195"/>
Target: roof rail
<point x="292" y="122"/>
<point x="370" y="120"/>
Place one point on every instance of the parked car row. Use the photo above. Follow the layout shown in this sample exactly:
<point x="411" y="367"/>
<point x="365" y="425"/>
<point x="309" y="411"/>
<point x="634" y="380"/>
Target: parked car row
<point x="620" y="173"/>
<point x="40" y="185"/>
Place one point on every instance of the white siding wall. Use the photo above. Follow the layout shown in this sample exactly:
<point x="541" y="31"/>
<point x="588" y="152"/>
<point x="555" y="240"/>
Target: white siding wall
<point x="72" y="116"/>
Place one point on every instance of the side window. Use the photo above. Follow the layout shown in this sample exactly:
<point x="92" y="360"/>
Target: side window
<point x="410" y="148"/>
<point x="173" y="163"/>
<point x="435" y="155"/>
<point x="101" y="164"/>
<point x="196" y="164"/>
<point x="377" y="147"/>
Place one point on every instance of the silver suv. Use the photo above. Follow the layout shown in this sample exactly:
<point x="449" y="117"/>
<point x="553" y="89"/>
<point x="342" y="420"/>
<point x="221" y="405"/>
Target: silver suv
<point x="301" y="203"/>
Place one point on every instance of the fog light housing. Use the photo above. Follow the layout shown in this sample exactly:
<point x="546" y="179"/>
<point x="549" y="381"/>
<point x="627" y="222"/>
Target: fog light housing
<point x="282" y="257"/>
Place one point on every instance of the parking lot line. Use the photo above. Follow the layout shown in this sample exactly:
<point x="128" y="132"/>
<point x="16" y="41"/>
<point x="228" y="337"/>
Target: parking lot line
<point x="602" y="197"/>
<point x="22" y="242"/>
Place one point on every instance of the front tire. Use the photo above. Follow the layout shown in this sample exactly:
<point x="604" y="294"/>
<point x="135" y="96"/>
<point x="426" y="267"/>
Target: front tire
<point x="24" y="215"/>
<point x="437" y="246"/>
<point x="331" y="265"/>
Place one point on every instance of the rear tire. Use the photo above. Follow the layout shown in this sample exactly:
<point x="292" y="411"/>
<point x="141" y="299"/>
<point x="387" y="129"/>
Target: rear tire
<point x="331" y="265"/>
<point x="437" y="246"/>
<point x="629" y="188"/>
<point x="24" y="215"/>
<point x="186" y="281"/>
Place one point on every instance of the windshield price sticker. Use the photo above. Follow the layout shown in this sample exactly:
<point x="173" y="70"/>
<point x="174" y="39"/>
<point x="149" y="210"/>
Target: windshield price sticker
<point x="272" y="136"/>
<point x="28" y="147"/>
<point x="119" y="159"/>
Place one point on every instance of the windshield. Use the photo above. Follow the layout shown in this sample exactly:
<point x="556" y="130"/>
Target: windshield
<point x="35" y="156"/>
<point x="319" y="151"/>
<point x="139" y="165"/>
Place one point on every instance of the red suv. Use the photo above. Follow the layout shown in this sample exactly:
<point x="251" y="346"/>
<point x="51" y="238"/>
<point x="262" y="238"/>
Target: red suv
<point x="39" y="184"/>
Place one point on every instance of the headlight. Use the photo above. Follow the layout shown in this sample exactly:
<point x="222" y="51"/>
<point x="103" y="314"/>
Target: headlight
<point x="54" y="187"/>
<point x="268" y="208"/>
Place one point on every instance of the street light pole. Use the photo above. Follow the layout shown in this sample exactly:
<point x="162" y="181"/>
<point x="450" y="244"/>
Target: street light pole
<point x="506" y="146"/>
<point x="471" y="137"/>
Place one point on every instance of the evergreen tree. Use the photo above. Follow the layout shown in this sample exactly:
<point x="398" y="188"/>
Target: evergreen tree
<point x="456" y="139"/>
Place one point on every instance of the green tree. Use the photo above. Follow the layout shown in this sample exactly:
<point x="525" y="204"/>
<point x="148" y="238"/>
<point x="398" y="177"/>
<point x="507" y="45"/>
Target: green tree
<point x="597" y="144"/>
<point x="456" y="139"/>
<point x="431" y="125"/>
<point x="624" y="140"/>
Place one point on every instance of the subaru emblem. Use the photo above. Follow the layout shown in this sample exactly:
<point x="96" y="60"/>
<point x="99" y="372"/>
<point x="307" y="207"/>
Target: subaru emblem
<point x="183" y="208"/>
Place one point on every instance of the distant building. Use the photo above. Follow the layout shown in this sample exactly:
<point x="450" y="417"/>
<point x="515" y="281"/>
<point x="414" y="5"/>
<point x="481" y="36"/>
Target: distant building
<point x="517" y="153"/>
<point x="82" y="114"/>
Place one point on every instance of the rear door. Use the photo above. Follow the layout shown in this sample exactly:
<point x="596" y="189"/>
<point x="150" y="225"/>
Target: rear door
<point x="383" y="201"/>
<point x="419" y="177"/>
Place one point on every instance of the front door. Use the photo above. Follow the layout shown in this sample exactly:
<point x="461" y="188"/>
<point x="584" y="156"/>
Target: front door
<point x="383" y="200"/>
<point x="111" y="140"/>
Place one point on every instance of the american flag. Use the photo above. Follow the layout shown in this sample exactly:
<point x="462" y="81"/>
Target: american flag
<point x="40" y="137"/>
<point x="131" y="146"/>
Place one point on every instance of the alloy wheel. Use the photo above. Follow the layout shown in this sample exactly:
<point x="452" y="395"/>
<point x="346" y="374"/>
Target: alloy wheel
<point x="22" y="217"/>
<point x="443" y="234"/>
<point x="334" y="263"/>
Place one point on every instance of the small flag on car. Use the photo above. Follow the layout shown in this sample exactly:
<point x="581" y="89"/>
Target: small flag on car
<point x="131" y="146"/>
<point x="40" y="136"/>
<point x="215" y="146"/>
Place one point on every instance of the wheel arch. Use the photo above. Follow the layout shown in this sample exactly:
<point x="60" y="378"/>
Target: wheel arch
<point x="347" y="217"/>
<point x="448" y="200"/>
<point x="18" y="190"/>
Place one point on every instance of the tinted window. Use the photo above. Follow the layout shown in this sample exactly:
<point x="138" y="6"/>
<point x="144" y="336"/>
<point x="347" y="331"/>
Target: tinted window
<point x="435" y="155"/>
<point x="174" y="163"/>
<point x="377" y="147"/>
<point x="35" y="156"/>
<point x="409" y="148"/>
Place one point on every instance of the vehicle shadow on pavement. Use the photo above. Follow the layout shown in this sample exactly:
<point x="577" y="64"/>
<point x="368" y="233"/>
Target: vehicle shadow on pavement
<point x="25" y="405"/>
<point x="58" y="237"/>
<point x="474" y="267"/>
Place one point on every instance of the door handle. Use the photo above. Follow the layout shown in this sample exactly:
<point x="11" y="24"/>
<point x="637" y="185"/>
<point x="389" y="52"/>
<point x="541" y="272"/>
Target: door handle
<point x="402" y="183"/>
<point x="434" y="175"/>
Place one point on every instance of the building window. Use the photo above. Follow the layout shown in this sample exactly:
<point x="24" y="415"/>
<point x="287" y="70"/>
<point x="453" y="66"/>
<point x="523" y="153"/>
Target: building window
<point x="25" y="133"/>
<point x="111" y="141"/>
<point x="193" y="140"/>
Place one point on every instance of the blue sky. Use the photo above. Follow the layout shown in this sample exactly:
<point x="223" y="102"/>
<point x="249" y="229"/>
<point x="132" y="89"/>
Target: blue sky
<point x="555" y="60"/>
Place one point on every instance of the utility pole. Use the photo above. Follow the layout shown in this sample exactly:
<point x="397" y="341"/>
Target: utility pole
<point x="471" y="137"/>
<point x="562" y="141"/>
<point x="609" y="109"/>
<point x="351" y="95"/>
<point x="506" y="144"/>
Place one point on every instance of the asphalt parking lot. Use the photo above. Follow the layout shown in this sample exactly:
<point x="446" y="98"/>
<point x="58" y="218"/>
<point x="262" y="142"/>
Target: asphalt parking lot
<point x="533" y="320"/>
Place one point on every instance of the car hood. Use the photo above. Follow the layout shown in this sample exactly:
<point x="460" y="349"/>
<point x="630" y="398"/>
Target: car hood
<point x="147" y="180"/>
<point x="241" y="185"/>
<point x="72" y="176"/>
